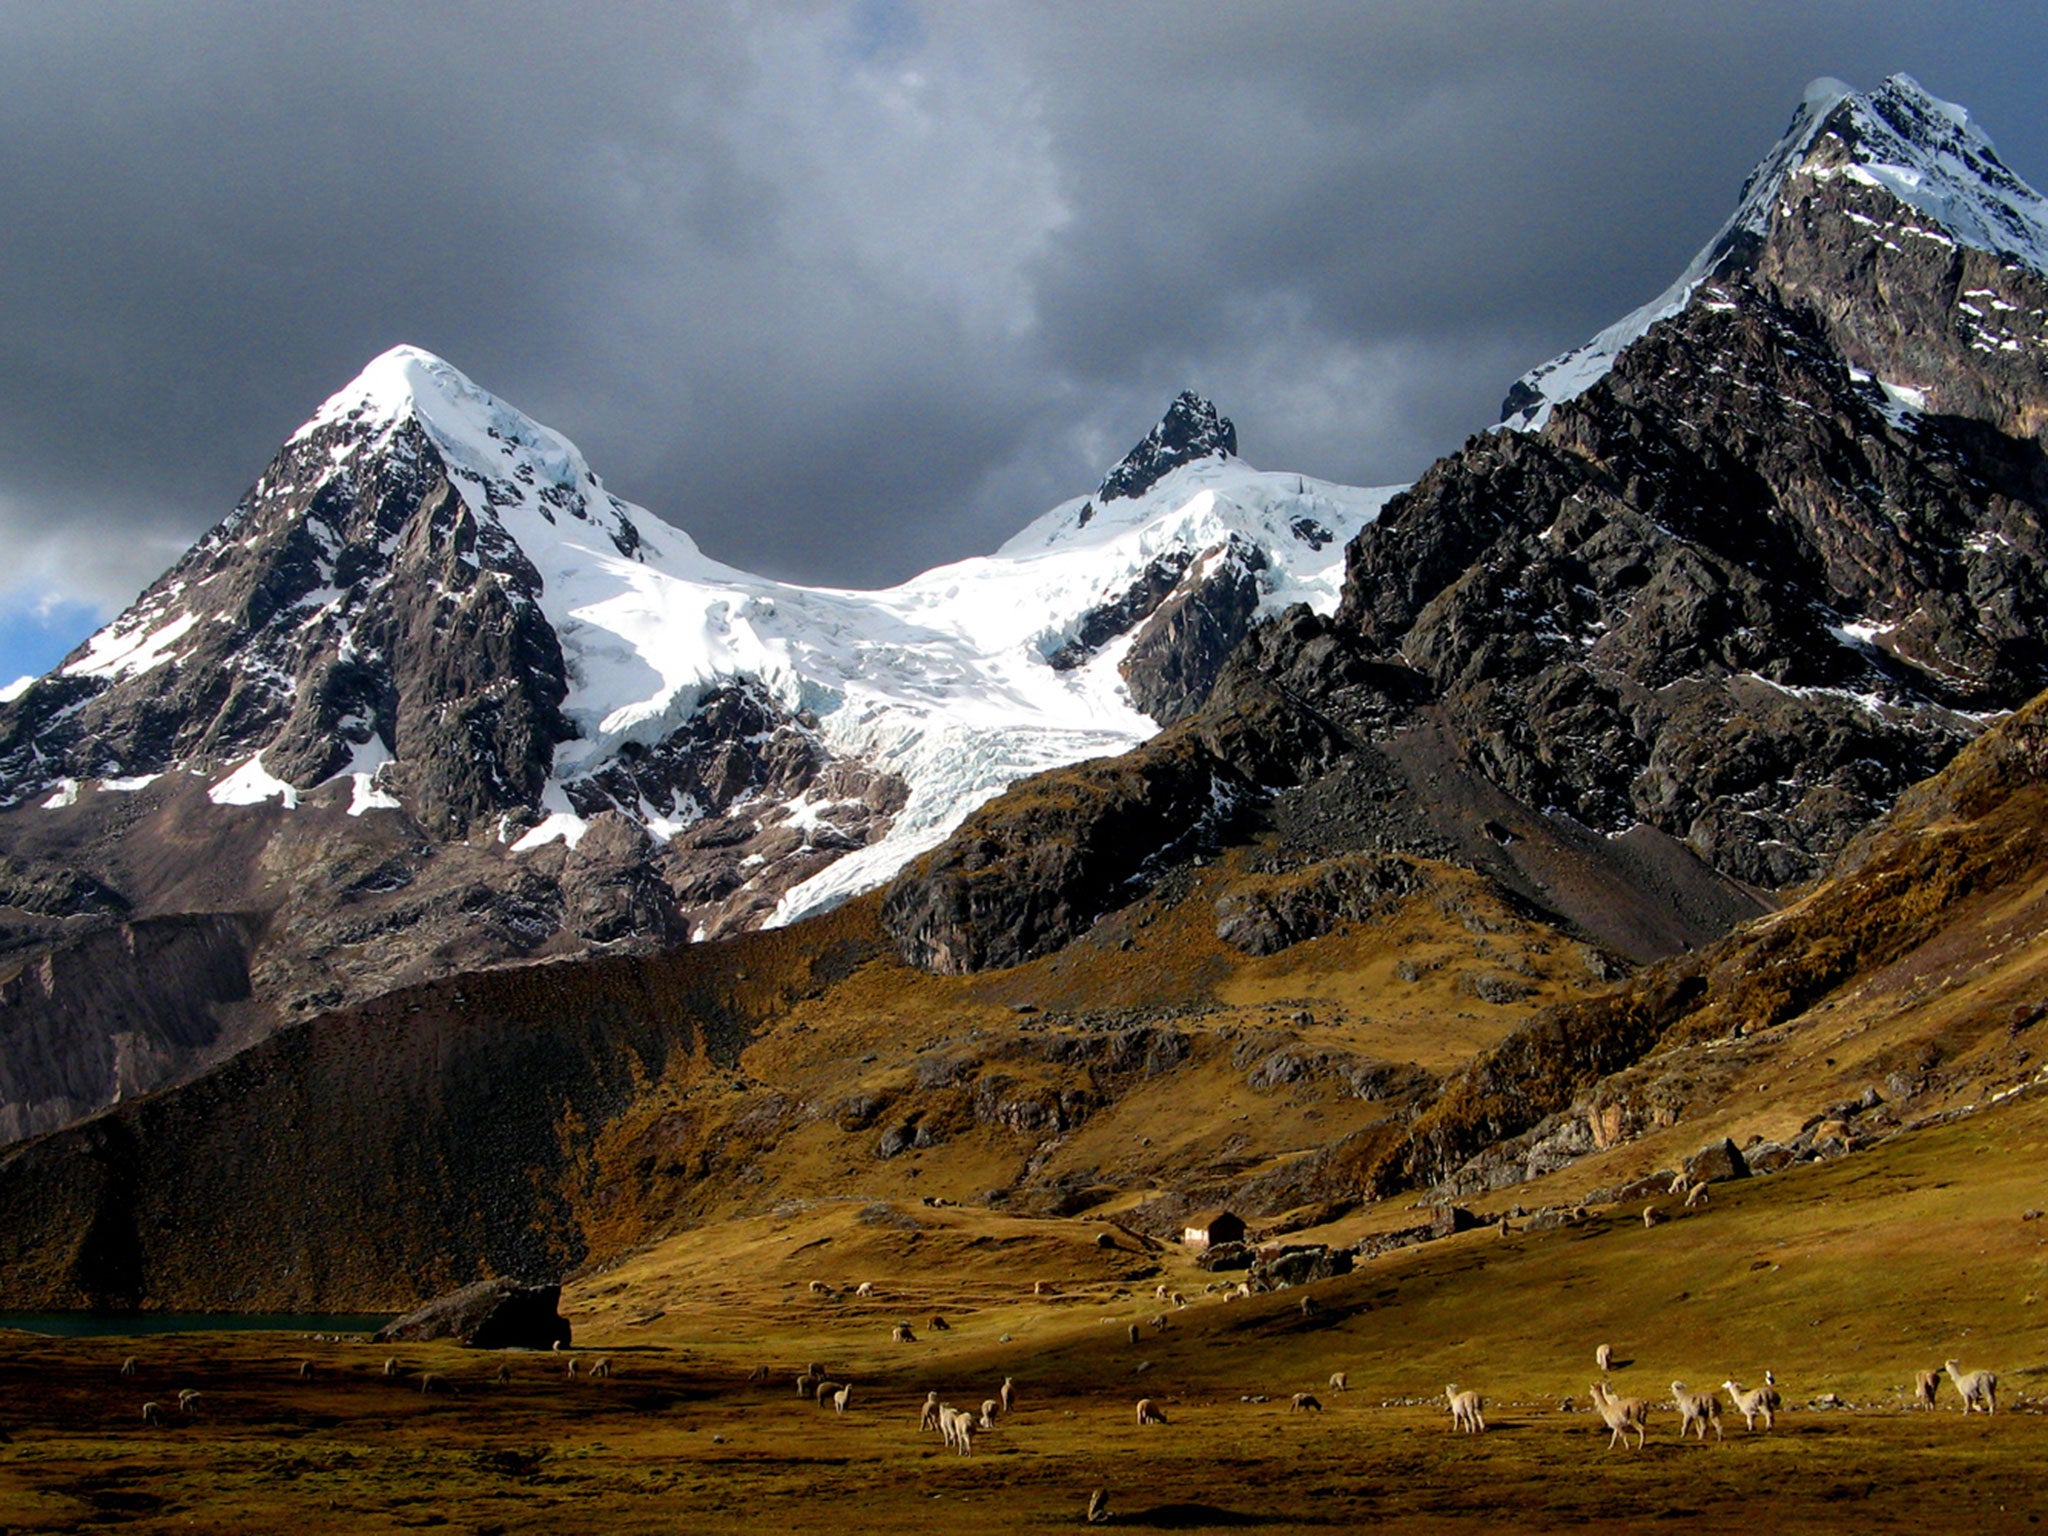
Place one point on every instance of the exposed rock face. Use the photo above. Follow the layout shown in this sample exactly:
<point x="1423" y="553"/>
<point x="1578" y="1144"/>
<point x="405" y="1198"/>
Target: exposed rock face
<point x="1173" y="661"/>
<point x="1267" y="916"/>
<point x="1013" y="884"/>
<point x="1775" y="564"/>
<point x="1185" y="615"/>
<point x="176" y="991"/>
<point x="491" y="1314"/>
<point x="44" y="889"/>
<point x="1951" y="314"/>
<point x="742" y="764"/>
<point x="1749" y="630"/>
<point x="1191" y="429"/>
<point x="330" y="612"/>
<point x="1137" y="603"/>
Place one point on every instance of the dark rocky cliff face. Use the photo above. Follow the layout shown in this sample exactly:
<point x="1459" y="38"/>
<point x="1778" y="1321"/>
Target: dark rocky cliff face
<point x="179" y="988"/>
<point x="1175" y="657"/>
<point x="1783" y="560"/>
<point x="1191" y="429"/>
<point x="1067" y="846"/>
<point x="1727" y="593"/>
<point x="329" y="612"/>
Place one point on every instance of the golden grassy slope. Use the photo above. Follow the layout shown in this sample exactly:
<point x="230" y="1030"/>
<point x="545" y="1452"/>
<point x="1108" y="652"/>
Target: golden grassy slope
<point x="1920" y="966"/>
<point x="1452" y="969"/>
<point x="527" y="1120"/>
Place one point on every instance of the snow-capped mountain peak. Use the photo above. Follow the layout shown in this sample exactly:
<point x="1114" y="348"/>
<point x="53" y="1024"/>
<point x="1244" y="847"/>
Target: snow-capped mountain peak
<point x="483" y="441"/>
<point x="1932" y="156"/>
<point x="432" y="597"/>
<point x="1927" y="153"/>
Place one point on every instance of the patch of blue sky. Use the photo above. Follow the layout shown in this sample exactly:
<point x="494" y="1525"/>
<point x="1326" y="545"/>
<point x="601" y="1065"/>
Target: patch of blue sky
<point x="36" y="635"/>
<point x="885" y="29"/>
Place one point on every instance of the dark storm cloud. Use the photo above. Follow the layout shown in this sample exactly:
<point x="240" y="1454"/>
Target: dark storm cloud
<point x="1477" y="186"/>
<point x="848" y="289"/>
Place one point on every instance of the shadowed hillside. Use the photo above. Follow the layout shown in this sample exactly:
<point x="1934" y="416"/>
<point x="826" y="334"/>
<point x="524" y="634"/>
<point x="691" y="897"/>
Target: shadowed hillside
<point x="415" y="1143"/>
<point x="527" y="1121"/>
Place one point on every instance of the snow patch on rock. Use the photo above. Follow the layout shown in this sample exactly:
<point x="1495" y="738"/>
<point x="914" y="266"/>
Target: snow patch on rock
<point x="252" y="784"/>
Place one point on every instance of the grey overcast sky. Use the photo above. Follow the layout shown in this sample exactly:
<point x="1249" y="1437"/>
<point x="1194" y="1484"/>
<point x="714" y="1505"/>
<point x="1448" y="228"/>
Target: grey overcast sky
<point x="847" y="289"/>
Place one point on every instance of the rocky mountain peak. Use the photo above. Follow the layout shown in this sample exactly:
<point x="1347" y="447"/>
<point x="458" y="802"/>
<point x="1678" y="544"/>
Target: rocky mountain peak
<point x="1192" y="429"/>
<point x="1932" y="156"/>
<point x="1764" y="553"/>
<point x="497" y="456"/>
<point x="1899" y="147"/>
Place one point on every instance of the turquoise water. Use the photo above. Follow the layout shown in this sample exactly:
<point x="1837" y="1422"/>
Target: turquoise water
<point x="80" y="1325"/>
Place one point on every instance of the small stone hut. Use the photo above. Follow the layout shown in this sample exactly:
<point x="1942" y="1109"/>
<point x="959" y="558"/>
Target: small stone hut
<point x="1207" y="1227"/>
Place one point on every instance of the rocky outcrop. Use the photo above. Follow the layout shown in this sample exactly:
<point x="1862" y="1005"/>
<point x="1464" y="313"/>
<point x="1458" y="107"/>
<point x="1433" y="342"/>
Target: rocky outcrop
<point x="1185" y="614"/>
<point x="1222" y="1256"/>
<point x="1265" y="916"/>
<point x="491" y="1314"/>
<point x="1118" y="616"/>
<point x="1038" y="865"/>
<point x="1299" y="1265"/>
<point x="612" y="886"/>
<point x="1192" y="429"/>
<point x="1173" y="661"/>
<point x="1715" y="1164"/>
<point x="50" y="890"/>
<point x="1137" y="1050"/>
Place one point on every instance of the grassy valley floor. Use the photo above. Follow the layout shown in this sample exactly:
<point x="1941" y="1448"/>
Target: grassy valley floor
<point x="1844" y="1277"/>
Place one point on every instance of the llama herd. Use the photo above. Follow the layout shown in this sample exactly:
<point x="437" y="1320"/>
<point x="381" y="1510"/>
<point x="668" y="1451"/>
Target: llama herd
<point x="1627" y="1418"/>
<point x="958" y="1427"/>
<point x="1624" y="1417"/>
<point x="1700" y="1411"/>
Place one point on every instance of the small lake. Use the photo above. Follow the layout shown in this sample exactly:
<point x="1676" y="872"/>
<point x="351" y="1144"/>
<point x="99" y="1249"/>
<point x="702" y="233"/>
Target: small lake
<point x="84" y="1325"/>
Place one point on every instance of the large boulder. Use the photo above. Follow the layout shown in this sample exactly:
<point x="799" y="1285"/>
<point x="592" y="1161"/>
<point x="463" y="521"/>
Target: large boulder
<point x="492" y="1314"/>
<point x="1225" y="1256"/>
<point x="1301" y="1265"/>
<point x="1449" y="1220"/>
<point x="1711" y="1165"/>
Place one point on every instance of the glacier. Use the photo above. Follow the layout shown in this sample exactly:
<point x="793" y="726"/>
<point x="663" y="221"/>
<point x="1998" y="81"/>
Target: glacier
<point x="946" y="681"/>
